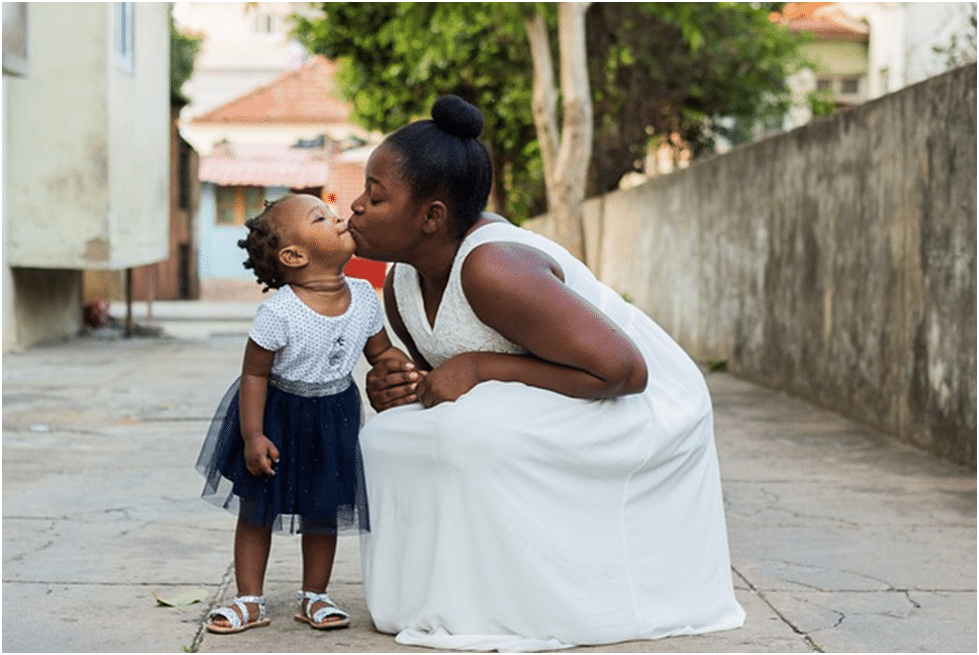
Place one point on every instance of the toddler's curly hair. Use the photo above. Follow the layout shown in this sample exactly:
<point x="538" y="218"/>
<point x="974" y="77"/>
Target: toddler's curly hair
<point x="262" y="245"/>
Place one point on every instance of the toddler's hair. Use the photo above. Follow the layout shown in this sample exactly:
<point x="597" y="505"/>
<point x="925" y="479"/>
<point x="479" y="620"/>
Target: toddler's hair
<point x="262" y="245"/>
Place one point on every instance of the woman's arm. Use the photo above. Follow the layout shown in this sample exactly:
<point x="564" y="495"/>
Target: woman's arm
<point x="573" y="348"/>
<point x="260" y="453"/>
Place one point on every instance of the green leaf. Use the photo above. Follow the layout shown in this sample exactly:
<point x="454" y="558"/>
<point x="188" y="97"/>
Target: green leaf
<point x="189" y="597"/>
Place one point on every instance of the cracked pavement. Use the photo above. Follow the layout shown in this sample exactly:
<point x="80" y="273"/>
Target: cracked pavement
<point x="841" y="539"/>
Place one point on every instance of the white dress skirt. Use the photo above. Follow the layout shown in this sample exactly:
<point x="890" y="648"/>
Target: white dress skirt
<point x="520" y="519"/>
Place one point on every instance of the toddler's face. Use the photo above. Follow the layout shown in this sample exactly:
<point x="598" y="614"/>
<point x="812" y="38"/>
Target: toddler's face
<point x="308" y="222"/>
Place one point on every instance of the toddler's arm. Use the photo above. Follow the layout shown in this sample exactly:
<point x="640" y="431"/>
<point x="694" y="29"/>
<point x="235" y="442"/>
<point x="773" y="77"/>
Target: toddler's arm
<point x="260" y="452"/>
<point x="379" y="348"/>
<point x="388" y="359"/>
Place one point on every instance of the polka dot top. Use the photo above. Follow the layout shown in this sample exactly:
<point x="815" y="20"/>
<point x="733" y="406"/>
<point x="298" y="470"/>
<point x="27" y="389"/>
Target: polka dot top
<point x="310" y="347"/>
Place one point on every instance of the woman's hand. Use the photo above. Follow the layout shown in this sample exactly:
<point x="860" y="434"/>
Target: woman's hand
<point x="392" y="382"/>
<point x="261" y="455"/>
<point x="450" y="380"/>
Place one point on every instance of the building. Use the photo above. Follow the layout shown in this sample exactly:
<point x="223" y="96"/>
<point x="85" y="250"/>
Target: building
<point x="246" y="45"/>
<point x="290" y="136"/>
<point x="174" y="278"/>
<point x="863" y="50"/>
<point x="301" y="105"/>
<point x="86" y="119"/>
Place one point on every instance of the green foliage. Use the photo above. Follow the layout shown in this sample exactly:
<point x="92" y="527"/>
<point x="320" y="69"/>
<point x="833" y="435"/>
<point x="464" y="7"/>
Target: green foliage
<point x="656" y="69"/>
<point x="961" y="48"/>
<point x="694" y="70"/>
<point x="183" y="52"/>
<point x="397" y="58"/>
<point x="821" y="103"/>
<point x="717" y="365"/>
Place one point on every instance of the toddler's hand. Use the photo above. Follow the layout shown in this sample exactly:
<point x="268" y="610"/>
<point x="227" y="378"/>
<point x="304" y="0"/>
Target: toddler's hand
<point x="260" y="456"/>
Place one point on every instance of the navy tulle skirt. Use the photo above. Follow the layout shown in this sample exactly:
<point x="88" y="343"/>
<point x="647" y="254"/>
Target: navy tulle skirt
<point x="319" y="482"/>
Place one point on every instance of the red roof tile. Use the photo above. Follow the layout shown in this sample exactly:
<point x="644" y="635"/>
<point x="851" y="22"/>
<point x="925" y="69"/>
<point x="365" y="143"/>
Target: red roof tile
<point x="826" y="20"/>
<point x="305" y="95"/>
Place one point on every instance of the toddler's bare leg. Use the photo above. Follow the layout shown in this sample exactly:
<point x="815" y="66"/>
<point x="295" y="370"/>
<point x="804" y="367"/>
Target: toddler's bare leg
<point x="252" y="544"/>
<point x="318" y="553"/>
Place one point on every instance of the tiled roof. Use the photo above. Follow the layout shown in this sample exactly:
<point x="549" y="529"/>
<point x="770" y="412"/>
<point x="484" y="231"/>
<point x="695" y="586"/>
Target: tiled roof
<point x="305" y="95"/>
<point x="261" y="165"/>
<point x="826" y="20"/>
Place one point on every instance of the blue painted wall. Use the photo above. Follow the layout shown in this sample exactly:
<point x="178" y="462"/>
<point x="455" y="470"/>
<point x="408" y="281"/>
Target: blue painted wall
<point x="220" y="255"/>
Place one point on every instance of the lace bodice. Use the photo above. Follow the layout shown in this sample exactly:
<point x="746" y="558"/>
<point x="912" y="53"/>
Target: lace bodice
<point x="457" y="329"/>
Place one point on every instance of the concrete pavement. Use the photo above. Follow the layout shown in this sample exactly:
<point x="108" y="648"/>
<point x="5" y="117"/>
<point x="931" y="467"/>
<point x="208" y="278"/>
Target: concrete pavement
<point x="841" y="540"/>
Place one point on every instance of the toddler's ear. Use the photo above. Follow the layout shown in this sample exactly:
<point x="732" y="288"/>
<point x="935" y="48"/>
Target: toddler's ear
<point x="292" y="256"/>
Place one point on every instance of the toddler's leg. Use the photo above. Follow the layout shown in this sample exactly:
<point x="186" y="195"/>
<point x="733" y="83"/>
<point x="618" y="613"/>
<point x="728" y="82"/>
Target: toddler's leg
<point x="318" y="553"/>
<point x="252" y="544"/>
<point x="315" y="607"/>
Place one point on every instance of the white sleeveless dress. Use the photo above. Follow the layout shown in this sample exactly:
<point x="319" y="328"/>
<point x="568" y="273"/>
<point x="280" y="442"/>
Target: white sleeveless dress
<point x="520" y="519"/>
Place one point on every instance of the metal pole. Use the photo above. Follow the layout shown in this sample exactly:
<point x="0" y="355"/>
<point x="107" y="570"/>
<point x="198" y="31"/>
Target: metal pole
<point x="129" y="303"/>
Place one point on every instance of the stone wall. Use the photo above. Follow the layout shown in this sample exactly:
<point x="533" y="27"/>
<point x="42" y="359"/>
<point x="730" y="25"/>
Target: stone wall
<point x="836" y="262"/>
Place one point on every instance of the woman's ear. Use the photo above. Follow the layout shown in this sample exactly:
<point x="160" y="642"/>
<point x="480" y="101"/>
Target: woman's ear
<point x="435" y="217"/>
<point x="293" y="257"/>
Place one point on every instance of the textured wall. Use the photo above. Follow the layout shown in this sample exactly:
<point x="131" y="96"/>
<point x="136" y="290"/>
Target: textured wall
<point x="836" y="262"/>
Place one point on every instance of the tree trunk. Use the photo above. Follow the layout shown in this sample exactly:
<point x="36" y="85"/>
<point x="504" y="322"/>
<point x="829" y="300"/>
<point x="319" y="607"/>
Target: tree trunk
<point x="565" y="157"/>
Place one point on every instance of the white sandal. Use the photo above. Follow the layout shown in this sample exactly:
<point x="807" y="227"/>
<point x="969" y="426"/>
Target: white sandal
<point x="318" y="618"/>
<point x="238" y="622"/>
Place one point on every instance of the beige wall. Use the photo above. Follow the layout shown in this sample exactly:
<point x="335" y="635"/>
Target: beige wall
<point x="139" y="144"/>
<point x="838" y="57"/>
<point x="89" y="142"/>
<point x="9" y="323"/>
<point x="85" y="162"/>
<point x="836" y="262"/>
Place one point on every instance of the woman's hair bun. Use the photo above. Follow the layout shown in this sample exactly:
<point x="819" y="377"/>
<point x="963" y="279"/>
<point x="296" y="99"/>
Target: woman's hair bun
<point x="457" y="117"/>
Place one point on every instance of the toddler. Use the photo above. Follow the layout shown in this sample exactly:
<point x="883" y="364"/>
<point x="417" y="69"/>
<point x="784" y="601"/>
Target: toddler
<point x="282" y="450"/>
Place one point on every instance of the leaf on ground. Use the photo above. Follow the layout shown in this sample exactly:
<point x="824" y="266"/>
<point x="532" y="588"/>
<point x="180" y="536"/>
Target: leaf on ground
<point x="183" y="598"/>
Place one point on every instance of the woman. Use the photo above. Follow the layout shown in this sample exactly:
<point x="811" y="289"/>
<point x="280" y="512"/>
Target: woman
<point x="545" y="474"/>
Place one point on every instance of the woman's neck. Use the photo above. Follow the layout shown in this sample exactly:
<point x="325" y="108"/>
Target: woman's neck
<point x="434" y="261"/>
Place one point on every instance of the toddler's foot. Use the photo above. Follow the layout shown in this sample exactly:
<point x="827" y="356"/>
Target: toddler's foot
<point x="320" y="612"/>
<point x="244" y="612"/>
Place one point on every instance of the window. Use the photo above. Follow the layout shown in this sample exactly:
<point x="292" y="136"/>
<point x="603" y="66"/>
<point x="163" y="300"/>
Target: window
<point x="850" y="86"/>
<point x="824" y="84"/>
<point x="265" y="23"/>
<point x="15" y="38"/>
<point x="124" y="36"/>
<point x="236" y="204"/>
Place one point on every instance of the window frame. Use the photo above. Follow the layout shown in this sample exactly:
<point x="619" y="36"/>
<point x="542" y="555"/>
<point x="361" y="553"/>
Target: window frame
<point x="124" y="44"/>
<point x="242" y="207"/>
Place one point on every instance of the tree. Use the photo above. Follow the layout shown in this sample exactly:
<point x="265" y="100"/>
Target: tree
<point x="398" y="58"/>
<point x="677" y="71"/>
<point x="183" y="52"/>
<point x="566" y="153"/>
<point x="681" y="72"/>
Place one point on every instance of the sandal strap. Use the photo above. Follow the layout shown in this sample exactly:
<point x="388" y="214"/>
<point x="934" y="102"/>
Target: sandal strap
<point x="234" y="618"/>
<point x="228" y="614"/>
<point x="322" y="613"/>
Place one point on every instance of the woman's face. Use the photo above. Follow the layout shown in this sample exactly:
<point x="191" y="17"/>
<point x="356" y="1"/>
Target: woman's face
<point x="386" y="222"/>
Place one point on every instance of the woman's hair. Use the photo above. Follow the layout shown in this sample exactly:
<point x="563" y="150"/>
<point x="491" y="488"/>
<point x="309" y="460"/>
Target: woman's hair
<point x="262" y="245"/>
<point x="444" y="155"/>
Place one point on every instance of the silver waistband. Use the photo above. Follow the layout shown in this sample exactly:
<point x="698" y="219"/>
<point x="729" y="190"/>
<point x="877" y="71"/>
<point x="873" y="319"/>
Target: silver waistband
<point x="311" y="389"/>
